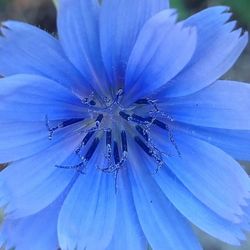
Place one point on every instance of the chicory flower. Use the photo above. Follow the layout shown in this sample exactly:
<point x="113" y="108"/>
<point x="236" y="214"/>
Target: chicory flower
<point x="118" y="133"/>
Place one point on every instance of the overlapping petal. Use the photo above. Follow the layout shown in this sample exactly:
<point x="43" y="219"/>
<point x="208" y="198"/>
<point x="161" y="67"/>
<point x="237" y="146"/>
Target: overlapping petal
<point x="87" y="218"/>
<point x="157" y="214"/>
<point x="78" y="30"/>
<point x="214" y="54"/>
<point x="223" y="105"/>
<point x="234" y="142"/>
<point x="25" y="49"/>
<point x="197" y="212"/>
<point x="153" y="61"/>
<point x="203" y="165"/>
<point x="33" y="232"/>
<point x="120" y="24"/>
<point x="127" y="233"/>
<point x="38" y="176"/>
<point x="178" y="190"/>
<point x="31" y="98"/>
<point x="26" y="101"/>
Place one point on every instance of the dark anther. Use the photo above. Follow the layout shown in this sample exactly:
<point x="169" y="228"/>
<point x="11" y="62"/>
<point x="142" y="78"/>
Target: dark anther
<point x="145" y="148"/>
<point x="160" y="124"/>
<point x="88" y="136"/>
<point x="86" y="139"/>
<point x="137" y="118"/>
<point x="124" y="115"/>
<point x="78" y="166"/>
<point x="171" y="137"/>
<point x="116" y="153"/>
<point x="61" y="125"/>
<point x="92" y="103"/>
<point x="108" y="137"/>
<point x="99" y="118"/>
<point x="142" y="101"/>
<point x="124" y="141"/>
<point x="142" y="132"/>
<point x="92" y="149"/>
<point x="147" y="101"/>
<point x="70" y="122"/>
<point x="119" y="94"/>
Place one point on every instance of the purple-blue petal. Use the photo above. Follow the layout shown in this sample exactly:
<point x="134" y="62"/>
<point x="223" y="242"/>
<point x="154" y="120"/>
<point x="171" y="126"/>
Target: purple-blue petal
<point x="120" y="24"/>
<point x="25" y="49"/>
<point x="214" y="54"/>
<point x="223" y="105"/>
<point x="154" y="61"/>
<point x="78" y="28"/>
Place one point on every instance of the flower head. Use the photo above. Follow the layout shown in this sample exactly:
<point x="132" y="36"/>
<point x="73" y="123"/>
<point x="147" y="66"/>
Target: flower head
<point x="119" y="133"/>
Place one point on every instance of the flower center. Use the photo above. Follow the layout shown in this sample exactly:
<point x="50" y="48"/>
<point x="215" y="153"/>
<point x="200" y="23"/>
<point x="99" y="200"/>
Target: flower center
<point x="113" y="127"/>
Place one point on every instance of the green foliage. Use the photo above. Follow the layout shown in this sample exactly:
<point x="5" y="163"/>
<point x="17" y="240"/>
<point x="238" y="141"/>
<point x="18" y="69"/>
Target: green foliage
<point x="180" y="6"/>
<point x="1" y="216"/>
<point x="3" y="3"/>
<point x="239" y="7"/>
<point x="55" y="2"/>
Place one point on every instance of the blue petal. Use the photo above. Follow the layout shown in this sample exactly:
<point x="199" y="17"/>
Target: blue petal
<point x="120" y="24"/>
<point x="234" y="142"/>
<point x="79" y="35"/>
<point x="25" y="49"/>
<point x="154" y="61"/>
<point x="35" y="232"/>
<point x="37" y="176"/>
<point x="31" y="98"/>
<point x="87" y="218"/>
<point x="224" y="104"/>
<point x="192" y="207"/>
<point x="29" y="138"/>
<point x="26" y="101"/>
<point x="22" y="138"/>
<point x="209" y="174"/>
<point x="163" y="226"/>
<point x="214" y="55"/>
<point x="127" y="233"/>
<point x="194" y="210"/>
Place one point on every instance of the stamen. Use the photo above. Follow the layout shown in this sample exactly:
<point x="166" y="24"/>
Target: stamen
<point x="125" y="115"/>
<point x="70" y="122"/>
<point x="60" y="125"/>
<point x="118" y="161"/>
<point x="92" y="103"/>
<point x="91" y="149"/>
<point x="140" y="119"/>
<point x="142" y="132"/>
<point x="142" y="101"/>
<point x="90" y="133"/>
<point x="152" y="151"/>
<point x="160" y="124"/>
<point x="147" y="101"/>
<point x="135" y="118"/>
<point x="119" y="94"/>
<point x="81" y="166"/>
<point x="108" y="144"/>
<point x="124" y="141"/>
<point x="108" y="137"/>
<point x="98" y="120"/>
<point x="85" y="140"/>
<point x="116" y="153"/>
<point x="70" y="166"/>
<point x="145" y="148"/>
<point x="171" y="136"/>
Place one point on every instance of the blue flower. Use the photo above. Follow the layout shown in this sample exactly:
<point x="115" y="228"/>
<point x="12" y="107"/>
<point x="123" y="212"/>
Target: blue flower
<point x="119" y="133"/>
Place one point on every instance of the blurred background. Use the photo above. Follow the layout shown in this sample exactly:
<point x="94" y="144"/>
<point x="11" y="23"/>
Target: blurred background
<point x="42" y="13"/>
